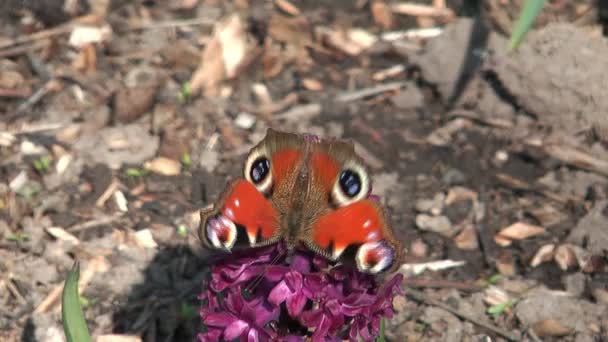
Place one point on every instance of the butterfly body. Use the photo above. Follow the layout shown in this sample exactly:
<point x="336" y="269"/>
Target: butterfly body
<point x="303" y="191"/>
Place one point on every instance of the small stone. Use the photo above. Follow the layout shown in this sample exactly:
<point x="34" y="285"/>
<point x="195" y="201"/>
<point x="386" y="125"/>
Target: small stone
<point x="438" y="224"/>
<point x="244" y="120"/>
<point x="575" y="283"/>
<point x="453" y="176"/>
<point x="433" y="206"/>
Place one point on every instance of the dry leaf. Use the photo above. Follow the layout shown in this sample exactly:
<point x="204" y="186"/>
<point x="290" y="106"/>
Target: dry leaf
<point x="287" y="7"/>
<point x="144" y="238"/>
<point x="419" y="10"/>
<point x="494" y="295"/>
<point x="121" y="201"/>
<point x="164" y="166"/>
<point x="312" y="84"/>
<point x="565" y="257"/>
<point x="521" y="231"/>
<point x="502" y="241"/>
<point x="230" y="49"/>
<point x="118" y="338"/>
<point x="352" y="42"/>
<point x="61" y="234"/>
<point x="460" y="193"/>
<point x="467" y="239"/>
<point x="550" y="327"/>
<point x="84" y="35"/>
<point x="544" y="254"/>
<point x="382" y="14"/>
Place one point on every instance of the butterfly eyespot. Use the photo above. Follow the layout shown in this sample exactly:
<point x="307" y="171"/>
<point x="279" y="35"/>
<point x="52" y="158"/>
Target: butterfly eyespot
<point x="352" y="185"/>
<point x="350" y="182"/>
<point x="258" y="171"/>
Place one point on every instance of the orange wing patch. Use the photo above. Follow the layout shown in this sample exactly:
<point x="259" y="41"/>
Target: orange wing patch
<point x="325" y="170"/>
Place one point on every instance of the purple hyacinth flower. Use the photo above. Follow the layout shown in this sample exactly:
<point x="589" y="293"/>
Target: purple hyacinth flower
<point x="265" y="294"/>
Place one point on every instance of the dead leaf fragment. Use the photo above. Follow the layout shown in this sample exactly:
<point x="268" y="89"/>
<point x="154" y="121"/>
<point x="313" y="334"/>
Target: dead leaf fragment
<point x="521" y="231"/>
<point x="229" y="50"/>
<point x="61" y="234"/>
<point x="164" y="166"/>
<point x="382" y="14"/>
<point x="312" y="84"/>
<point x="85" y="34"/>
<point x="287" y="7"/>
<point x="544" y="254"/>
<point x="118" y="338"/>
<point x="550" y="327"/>
<point x="143" y="238"/>
<point x="352" y="42"/>
<point x="565" y="257"/>
<point x="467" y="239"/>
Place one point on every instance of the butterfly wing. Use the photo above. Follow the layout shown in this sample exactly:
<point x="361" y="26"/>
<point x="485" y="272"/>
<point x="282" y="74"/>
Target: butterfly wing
<point x="351" y="227"/>
<point x="248" y="214"/>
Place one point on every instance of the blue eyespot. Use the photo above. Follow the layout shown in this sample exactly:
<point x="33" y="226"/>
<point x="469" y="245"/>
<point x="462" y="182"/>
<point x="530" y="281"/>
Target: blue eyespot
<point x="260" y="168"/>
<point x="350" y="183"/>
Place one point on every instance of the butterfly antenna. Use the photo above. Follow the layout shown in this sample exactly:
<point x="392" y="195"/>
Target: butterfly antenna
<point x="258" y="279"/>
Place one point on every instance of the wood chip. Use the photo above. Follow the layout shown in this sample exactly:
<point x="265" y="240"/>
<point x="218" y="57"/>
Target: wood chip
<point x="418" y="10"/>
<point x="521" y="231"/>
<point x="164" y="166"/>
<point x="118" y="338"/>
<point x="382" y="14"/>
<point x="121" y="201"/>
<point x="143" y="238"/>
<point x="565" y="257"/>
<point x="550" y="327"/>
<point x="544" y="254"/>
<point x="61" y="234"/>
<point x="287" y="7"/>
<point x="312" y="84"/>
<point x="415" y="269"/>
<point x="389" y="72"/>
<point x="367" y="92"/>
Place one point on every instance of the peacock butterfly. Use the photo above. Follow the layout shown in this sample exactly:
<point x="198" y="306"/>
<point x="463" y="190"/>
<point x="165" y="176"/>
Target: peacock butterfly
<point x="304" y="191"/>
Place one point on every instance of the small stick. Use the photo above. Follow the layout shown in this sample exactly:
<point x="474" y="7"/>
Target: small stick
<point x="367" y="92"/>
<point x="59" y="30"/>
<point x="440" y="284"/>
<point x="94" y="223"/>
<point x="421" y="297"/>
<point x="17" y="92"/>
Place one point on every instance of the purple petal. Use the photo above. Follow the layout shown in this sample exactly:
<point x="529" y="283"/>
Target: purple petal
<point x="295" y="304"/>
<point x="235" y="329"/>
<point x="253" y="336"/>
<point x="210" y="336"/>
<point x="219" y="319"/>
<point x="322" y="329"/>
<point x="294" y="281"/>
<point x="276" y="273"/>
<point x="279" y="293"/>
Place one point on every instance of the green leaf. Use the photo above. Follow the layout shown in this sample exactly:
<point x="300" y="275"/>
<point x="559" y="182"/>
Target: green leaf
<point x="498" y="309"/>
<point x="382" y="329"/>
<point x="186" y="160"/>
<point x="528" y="14"/>
<point x="74" y="324"/>
<point x="495" y="278"/>
<point x="182" y="230"/>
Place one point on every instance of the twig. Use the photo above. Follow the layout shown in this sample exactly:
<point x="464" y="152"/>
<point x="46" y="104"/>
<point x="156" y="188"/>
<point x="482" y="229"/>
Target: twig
<point x="32" y="100"/>
<point x="440" y="284"/>
<point x="17" y="92"/>
<point x="419" y="10"/>
<point x="580" y="159"/>
<point x="18" y="50"/>
<point x="421" y="297"/>
<point x="94" y="223"/>
<point x="172" y="23"/>
<point x="520" y="185"/>
<point x="367" y="92"/>
<point x="55" y="31"/>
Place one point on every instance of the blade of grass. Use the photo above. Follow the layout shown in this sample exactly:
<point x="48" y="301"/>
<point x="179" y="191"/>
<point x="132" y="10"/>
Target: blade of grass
<point x="382" y="329"/>
<point x="74" y="324"/>
<point x="529" y="12"/>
